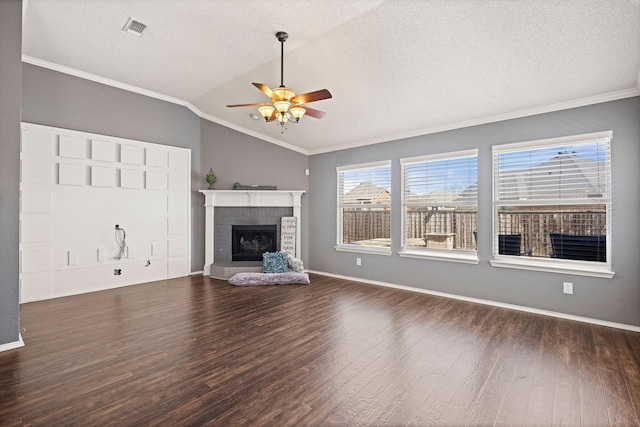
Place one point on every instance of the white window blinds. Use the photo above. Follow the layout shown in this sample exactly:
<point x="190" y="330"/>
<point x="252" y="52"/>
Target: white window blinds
<point x="365" y="185"/>
<point x="575" y="173"/>
<point x="364" y="205"/>
<point x="440" y="201"/>
<point x="553" y="198"/>
<point x="443" y="180"/>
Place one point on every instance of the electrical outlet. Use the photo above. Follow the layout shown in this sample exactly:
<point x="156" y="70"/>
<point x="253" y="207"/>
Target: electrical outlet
<point x="358" y="261"/>
<point x="567" y="288"/>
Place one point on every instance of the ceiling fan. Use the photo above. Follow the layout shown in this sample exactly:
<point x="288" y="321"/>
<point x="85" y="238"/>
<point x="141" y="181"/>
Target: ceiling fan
<point x="285" y="104"/>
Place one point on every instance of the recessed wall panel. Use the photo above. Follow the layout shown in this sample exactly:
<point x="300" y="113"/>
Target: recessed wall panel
<point x="178" y="160"/>
<point x="176" y="204"/>
<point x="70" y="174"/>
<point x="101" y="254"/>
<point x="155" y="180"/>
<point x="177" y="181"/>
<point x="103" y="176"/>
<point x="35" y="288"/>
<point x="155" y="157"/>
<point x="131" y="178"/>
<point x="35" y="142"/>
<point x="131" y="154"/>
<point x="35" y="230"/>
<point x="73" y="147"/>
<point x="177" y="268"/>
<point x="35" y="260"/>
<point x="157" y="249"/>
<point x="103" y="150"/>
<point x="72" y="257"/>
<point x="175" y="226"/>
<point x="36" y="201"/>
<point x="36" y="171"/>
<point x="175" y="247"/>
<point x="131" y="252"/>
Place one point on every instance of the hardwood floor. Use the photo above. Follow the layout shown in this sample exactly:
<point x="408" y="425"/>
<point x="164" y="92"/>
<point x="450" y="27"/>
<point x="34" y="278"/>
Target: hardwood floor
<point x="198" y="351"/>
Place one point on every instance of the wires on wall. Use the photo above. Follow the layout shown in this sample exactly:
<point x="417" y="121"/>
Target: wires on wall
<point x="121" y="241"/>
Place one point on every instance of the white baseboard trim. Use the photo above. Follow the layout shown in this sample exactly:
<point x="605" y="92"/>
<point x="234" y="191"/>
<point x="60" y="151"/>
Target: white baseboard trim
<point x="12" y="345"/>
<point x="488" y="302"/>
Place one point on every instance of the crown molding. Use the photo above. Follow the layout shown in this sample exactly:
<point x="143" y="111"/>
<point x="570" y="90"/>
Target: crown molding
<point x="611" y="96"/>
<point x="249" y="132"/>
<point x="135" y="89"/>
<point x="98" y="79"/>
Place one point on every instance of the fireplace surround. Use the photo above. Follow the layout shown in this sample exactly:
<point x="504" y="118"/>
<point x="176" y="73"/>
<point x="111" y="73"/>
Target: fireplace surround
<point x="265" y="200"/>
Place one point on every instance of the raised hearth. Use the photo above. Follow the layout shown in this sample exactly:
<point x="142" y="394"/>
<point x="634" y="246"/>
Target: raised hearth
<point x="225" y="270"/>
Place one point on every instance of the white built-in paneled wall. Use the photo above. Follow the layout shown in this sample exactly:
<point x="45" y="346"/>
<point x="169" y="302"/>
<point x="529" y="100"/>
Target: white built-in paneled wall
<point x="75" y="187"/>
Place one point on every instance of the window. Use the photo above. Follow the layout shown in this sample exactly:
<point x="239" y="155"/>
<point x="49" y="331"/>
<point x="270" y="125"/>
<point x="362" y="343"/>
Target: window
<point x="440" y="206"/>
<point x="553" y="205"/>
<point x="364" y="208"/>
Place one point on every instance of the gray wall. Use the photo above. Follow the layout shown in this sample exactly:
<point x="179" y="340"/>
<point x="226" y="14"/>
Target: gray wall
<point x="235" y="157"/>
<point x="10" y="78"/>
<point x="56" y="99"/>
<point x="616" y="299"/>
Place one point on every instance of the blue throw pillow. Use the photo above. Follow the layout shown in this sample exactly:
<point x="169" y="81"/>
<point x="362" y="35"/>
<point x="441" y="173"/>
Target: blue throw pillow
<point x="274" y="262"/>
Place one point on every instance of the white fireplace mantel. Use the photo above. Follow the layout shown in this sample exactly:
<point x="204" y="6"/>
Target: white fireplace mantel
<point x="246" y="198"/>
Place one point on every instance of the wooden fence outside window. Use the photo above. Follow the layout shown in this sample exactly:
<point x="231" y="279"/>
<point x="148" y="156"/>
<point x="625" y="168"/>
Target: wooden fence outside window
<point x="534" y="225"/>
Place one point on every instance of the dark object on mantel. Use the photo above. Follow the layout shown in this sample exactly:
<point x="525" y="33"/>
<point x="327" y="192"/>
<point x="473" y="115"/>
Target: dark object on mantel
<point x="238" y="186"/>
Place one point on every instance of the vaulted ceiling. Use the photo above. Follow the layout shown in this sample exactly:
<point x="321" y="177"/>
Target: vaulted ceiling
<point x="396" y="68"/>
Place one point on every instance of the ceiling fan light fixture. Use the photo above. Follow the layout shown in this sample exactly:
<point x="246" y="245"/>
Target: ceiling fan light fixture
<point x="266" y="111"/>
<point x="297" y="112"/>
<point x="282" y="118"/>
<point x="285" y="103"/>
<point x="283" y="93"/>
<point x="282" y="106"/>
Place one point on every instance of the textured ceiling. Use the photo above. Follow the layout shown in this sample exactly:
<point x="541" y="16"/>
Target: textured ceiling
<point x="396" y="68"/>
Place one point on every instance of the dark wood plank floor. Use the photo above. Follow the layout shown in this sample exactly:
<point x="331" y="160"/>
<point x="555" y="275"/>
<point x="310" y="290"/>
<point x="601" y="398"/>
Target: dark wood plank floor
<point x="197" y="351"/>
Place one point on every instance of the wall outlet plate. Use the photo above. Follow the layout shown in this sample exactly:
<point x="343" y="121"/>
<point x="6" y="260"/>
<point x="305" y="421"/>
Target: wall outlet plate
<point x="567" y="288"/>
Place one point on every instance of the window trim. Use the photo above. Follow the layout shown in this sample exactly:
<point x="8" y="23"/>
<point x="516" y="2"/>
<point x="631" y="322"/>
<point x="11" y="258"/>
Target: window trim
<point x="349" y="247"/>
<point x="551" y="265"/>
<point x="466" y="257"/>
<point x="363" y="249"/>
<point x="452" y="255"/>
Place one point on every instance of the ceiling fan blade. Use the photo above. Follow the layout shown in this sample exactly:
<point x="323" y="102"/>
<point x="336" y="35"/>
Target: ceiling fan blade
<point x="314" y="113"/>
<point x="247" y="105"/>
<point x="264" y="88"/>
<point x="273" y="116"/>
<point x="318" y="95"/>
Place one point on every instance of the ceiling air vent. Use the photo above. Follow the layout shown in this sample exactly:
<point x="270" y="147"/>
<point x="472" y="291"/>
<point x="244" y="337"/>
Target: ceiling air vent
<point x="134" y="27"/>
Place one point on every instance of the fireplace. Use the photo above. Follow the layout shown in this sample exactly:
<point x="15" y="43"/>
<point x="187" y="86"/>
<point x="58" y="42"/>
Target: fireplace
<point x="249" y="242"/>
<point x="224" y="208"/>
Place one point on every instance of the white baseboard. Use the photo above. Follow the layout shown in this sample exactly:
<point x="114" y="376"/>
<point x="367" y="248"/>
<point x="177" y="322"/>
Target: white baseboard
<point x="12" y="345"/>
<point x="488" y="302"/>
